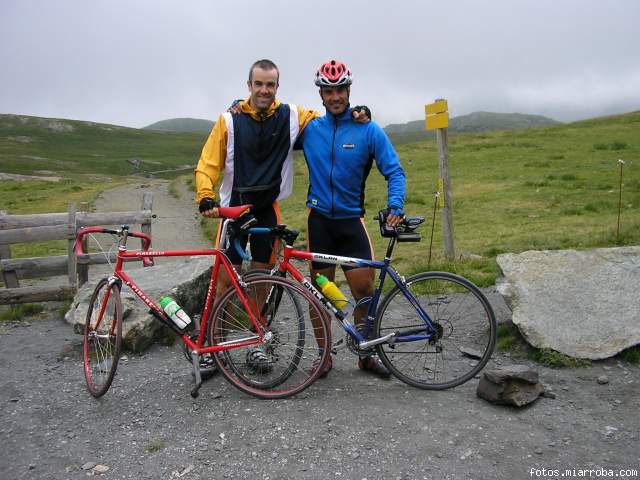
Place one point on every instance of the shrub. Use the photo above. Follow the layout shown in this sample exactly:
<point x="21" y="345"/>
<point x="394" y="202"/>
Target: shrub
<point x="19" y="312"/>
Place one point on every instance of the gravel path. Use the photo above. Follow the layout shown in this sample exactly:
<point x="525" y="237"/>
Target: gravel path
<point x="348" y="426"/>
<point x="177" y="223"/>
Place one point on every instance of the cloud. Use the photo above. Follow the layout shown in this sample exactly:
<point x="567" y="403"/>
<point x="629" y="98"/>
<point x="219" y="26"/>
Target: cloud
<point x="134" y="63"/>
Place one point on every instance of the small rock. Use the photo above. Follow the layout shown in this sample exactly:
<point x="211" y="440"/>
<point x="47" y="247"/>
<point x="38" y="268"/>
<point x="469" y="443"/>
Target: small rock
<point x="603" y="380"/>
<point x="32" y="466"/>
<point x="100" y="469"/>
<point x="470" y="352"/>
<point x="609" y="431"/>
<point x="538" y="451"/>
<point x="185" y="471"/>
<point x="549" y="394"/>
<point x="88" y="466"/>
<point x="466" y="454"/>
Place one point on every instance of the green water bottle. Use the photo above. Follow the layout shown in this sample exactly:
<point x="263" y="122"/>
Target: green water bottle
<point x="331" y="291"/>
<point x="175" y="312"/>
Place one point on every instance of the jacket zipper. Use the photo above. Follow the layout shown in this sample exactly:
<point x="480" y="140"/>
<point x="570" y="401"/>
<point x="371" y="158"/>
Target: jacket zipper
<point x="333" y="141"/>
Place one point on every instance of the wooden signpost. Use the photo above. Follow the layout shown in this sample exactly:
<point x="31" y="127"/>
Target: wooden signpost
<point x="437" y="118"/>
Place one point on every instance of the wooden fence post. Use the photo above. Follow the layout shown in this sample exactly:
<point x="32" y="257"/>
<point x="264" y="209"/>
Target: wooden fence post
<point x="73" y="264"/>
<point x="437" y="118"/>
<point x="83" y="268"/>
<point x="9" y="277"/>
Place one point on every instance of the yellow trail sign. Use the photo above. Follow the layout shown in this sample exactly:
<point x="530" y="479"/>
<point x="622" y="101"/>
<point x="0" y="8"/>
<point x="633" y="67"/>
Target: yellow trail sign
<point x="436" y="115"/>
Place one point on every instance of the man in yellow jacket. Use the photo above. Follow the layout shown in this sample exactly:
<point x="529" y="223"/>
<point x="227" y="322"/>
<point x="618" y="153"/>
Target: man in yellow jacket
<point x="253" y="149"/>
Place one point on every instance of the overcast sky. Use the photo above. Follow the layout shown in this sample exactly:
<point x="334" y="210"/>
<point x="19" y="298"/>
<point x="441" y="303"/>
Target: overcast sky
<point x="133" y="62"/>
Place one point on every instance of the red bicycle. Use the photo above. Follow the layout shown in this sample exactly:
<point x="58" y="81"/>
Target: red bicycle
<point x="268" y="354"/>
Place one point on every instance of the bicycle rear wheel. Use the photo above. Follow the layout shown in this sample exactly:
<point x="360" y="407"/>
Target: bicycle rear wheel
<point x="102" y="337"/>
<point x="463" y="343"/>
<point x="290" y="351"/>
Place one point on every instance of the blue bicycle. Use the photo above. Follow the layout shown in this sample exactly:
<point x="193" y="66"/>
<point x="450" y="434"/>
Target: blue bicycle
<point x="433" y="330"/>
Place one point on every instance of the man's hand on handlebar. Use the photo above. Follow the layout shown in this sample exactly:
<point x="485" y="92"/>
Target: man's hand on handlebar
<point x="394" y="217"/>
<point x="209" y="207"/>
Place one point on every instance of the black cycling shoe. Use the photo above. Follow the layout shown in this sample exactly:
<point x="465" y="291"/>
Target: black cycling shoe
<point x="258" y="361"/>
<point x="374" y="365"/>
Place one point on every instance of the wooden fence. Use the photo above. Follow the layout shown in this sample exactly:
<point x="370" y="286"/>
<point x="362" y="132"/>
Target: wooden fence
<point x="55" y="226"/>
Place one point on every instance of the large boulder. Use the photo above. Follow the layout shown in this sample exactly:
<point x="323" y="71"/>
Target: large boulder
<point x="185" y="281"/>
<point x="585" y="304"/>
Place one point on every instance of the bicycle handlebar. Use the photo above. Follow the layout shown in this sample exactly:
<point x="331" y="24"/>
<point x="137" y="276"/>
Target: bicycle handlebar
<point x="280" y="231"/>
<point x="146" y="240"/>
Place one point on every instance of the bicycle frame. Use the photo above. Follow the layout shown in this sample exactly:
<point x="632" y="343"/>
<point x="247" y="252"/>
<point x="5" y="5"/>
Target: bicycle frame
<point x="197" y="347"/>
<point x="385" y="268"/>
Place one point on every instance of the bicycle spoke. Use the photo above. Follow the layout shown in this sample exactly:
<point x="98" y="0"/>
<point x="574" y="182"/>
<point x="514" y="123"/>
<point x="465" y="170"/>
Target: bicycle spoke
<point x="464" y="327"/>
<point x="102" y="346"/>
<point x="287" y="361"/>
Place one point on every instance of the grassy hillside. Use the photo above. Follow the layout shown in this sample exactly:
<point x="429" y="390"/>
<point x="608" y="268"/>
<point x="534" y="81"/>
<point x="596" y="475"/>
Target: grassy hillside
<point x="473" y="122"/>
<point x="30" y="144"/>
<point x="182" y="125"/>
<point x="540" y="188"/>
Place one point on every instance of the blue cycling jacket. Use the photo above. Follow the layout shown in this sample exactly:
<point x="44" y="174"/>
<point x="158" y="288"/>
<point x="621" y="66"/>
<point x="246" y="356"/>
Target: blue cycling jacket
<point x="339" y="154"/>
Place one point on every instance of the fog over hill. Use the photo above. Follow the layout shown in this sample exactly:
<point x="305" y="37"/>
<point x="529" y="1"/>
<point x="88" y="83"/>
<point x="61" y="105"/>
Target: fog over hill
<point x="182" y="125"/>
<point x="478" y="122"/>
<point x="473" y="122"/>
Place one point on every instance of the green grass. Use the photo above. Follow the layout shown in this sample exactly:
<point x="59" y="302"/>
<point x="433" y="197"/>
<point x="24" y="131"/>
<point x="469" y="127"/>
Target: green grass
<point x="510" y="340"/>
<point x="16" y="313"/>
<point x="553" y="359"/>
<point x="155" y="445"/>
<point x="541" y="188"/>
<point x="631" y="355"/>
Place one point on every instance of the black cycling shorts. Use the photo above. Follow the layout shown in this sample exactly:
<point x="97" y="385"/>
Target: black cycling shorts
<point x="344" y="237"/>
<point x="261" y="245"/>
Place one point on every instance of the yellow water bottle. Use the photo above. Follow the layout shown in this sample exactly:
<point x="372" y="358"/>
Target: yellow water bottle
<point x="331" y="291"/>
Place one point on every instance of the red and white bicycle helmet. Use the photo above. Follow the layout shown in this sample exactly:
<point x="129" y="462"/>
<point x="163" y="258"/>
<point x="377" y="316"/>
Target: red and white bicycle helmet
<point x="333" y="74"/>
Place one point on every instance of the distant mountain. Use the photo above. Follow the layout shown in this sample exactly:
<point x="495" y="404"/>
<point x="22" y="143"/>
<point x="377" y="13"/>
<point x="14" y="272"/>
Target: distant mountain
<point x="473" y="122"/>
<point x="182" y="125"/>
<point x="32" y="144"/>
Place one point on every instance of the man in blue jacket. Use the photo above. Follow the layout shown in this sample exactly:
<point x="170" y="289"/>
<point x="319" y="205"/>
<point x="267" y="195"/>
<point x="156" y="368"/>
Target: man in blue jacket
<point x="339" y="154"/>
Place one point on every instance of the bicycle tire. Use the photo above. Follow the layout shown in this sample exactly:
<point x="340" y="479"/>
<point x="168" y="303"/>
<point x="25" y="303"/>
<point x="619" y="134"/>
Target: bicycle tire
<point x="294" y="358"/>
<point x="101" y="349"/>
<point x="466" y="331"/>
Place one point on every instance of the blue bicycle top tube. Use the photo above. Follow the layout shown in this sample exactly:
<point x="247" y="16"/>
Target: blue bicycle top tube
<point x="244" y="255"/>
<point x="260" y="230"/>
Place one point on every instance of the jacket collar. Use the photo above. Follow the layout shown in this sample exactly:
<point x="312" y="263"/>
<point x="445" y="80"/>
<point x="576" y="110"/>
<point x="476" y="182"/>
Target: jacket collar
<point x="245" y="107"/>
<point x="344" y="116"/>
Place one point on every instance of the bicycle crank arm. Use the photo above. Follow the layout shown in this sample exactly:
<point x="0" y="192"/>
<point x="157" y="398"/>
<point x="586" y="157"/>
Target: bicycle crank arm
<point x="339" y="345"/>
<point x="195" y="360"/>
<point x="376" y="341"/>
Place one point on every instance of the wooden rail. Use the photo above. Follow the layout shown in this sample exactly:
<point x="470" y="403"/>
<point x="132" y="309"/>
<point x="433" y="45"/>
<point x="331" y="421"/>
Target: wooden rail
<point x="56" y="226"/>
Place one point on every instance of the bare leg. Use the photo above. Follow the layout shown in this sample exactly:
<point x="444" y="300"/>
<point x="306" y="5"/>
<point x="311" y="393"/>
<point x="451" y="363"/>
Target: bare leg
<point x="361" y="285"/>
<point x="330" y="273"/>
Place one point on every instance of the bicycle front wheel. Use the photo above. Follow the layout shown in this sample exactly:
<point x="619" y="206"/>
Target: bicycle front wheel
<point x="290" y="357"/>
<point x="102" y="337"/>
<point x="464" y="337"/>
